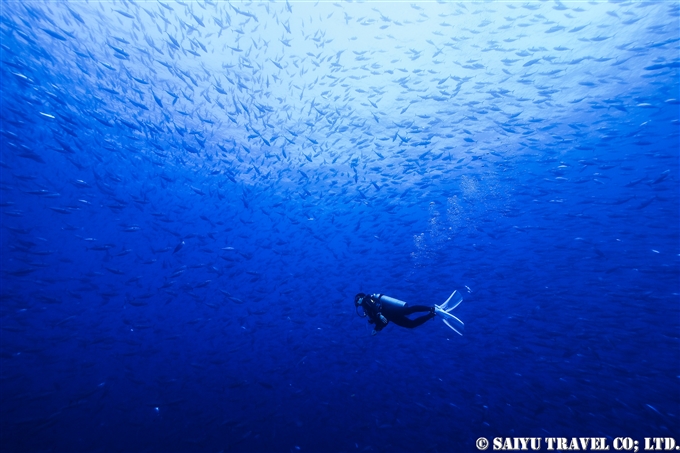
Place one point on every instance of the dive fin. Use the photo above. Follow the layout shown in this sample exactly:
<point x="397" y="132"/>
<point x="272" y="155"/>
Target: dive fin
<point x="452" y="302"/>
<point x="444" y="310"/>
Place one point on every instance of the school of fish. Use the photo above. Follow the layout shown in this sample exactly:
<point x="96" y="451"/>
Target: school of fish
<point x="193" y="191"/>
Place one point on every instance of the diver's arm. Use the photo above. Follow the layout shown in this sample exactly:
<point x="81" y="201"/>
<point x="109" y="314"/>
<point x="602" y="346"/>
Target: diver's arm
<point x="380" y="322"/>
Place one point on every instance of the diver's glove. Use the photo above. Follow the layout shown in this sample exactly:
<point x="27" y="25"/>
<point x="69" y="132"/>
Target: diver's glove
<point x="383" y="319"/>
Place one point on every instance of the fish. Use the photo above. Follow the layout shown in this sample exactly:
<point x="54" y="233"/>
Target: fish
<point x="275" y="159"/>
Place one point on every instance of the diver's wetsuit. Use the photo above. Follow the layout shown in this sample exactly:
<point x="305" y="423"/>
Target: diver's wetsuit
<point x="380" y="314"/>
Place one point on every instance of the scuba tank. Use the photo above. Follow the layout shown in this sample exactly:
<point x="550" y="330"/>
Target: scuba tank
<point x="378" y="301"/>
<point x="388" y="302"/>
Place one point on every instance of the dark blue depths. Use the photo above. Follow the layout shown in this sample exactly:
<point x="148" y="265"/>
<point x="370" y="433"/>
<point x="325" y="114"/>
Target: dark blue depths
<point x="193" y="192"/>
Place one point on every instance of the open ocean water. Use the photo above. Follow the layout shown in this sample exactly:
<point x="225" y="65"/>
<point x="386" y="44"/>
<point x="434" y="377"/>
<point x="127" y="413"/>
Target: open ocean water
<point x="194" y="191"/>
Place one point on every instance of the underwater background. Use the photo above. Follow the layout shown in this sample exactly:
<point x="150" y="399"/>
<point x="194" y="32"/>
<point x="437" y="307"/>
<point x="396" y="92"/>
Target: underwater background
<point x="193" y="192"/>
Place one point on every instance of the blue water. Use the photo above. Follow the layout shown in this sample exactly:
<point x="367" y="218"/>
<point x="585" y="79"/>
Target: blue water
<point x="193" y="193"/>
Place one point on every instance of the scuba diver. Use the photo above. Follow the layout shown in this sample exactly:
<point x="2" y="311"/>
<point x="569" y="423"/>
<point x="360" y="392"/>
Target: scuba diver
<point x="381" y="309"/>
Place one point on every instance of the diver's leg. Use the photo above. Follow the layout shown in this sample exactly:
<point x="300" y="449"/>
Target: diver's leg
<point x="403" y="321"/>
<point x="416" y="309"/>
<point x="419" y="321"/>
